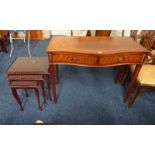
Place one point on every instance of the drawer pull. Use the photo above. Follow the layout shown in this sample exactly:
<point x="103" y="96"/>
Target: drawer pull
<point x="73" y="58"/>
<point x="120" y="59"/>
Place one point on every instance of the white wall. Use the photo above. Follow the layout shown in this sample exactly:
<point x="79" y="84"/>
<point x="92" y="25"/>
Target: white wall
<point x="60" y="32"/>
<point x="119" y="33"/>
<point x="46" y="34"/>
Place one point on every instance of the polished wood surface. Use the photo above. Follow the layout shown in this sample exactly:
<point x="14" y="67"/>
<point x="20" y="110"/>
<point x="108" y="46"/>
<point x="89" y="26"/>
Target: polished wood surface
<point x="94" y="45"/>
<point x="29" y="65"/>
<point x="95" y="52"/>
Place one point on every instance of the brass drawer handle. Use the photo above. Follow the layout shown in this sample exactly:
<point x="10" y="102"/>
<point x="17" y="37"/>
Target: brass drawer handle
<point x="73" y="58"/>
<point x="120" y="59"/>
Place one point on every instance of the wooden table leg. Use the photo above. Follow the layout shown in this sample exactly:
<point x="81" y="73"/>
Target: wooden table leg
<point x="38" y="98"/>
<point x="26" y="93"/>
<point x="57" y="73"/>
<point x="134" y="97"/>
<point x="122" y="73"/>
<point x="132" y="82"/>
<point x="118" y="74"/>
<point x="53" y="82"/>
<point x="43" y="91"/>
<point x="15" y="94"/>
<point x="48" y="85"/>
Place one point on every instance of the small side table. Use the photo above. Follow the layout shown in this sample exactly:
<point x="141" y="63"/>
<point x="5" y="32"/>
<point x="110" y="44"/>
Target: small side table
<point x="30" y="69"/>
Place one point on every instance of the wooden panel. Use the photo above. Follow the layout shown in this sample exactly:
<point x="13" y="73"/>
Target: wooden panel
<point x="36" y="35"/>
<point x="121" y="59"/>
<point x="73" y="59"/>
<point x="103" y="32"/>
<point x="96" y="60"/>
<point x="4" y="33"/>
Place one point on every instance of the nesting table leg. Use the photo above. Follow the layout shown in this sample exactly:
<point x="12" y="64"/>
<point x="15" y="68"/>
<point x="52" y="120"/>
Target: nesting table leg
<point x="43" y="91"/>
<point x="38" y="99"/>
<point x="15" y="94"/>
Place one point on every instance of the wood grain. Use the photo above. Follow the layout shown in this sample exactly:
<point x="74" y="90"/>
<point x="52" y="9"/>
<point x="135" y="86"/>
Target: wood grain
<point x="96" y="60"/>
<point x="94" y="45"/>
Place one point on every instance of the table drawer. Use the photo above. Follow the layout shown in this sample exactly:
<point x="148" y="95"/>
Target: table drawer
<point x="120" y="59"/>
<point x="73" y="59"/>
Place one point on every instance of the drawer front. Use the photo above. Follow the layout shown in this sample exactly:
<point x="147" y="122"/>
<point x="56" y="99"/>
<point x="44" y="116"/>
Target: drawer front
<point x="73" y="59"/>
<point x="120" y="59"/>
<point x="96" y="60"/>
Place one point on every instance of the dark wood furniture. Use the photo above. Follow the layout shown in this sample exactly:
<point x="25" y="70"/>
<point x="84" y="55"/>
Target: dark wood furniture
<point x="145" y="81"/>
<point x="95" y="52"/>
<point x="2" y="46"/>
<point x="30" y="69"/>
<point x="147" y="39"/>
<point x="26" y="85"/>
<point x="4" y="40"/>
<point x="36" y="35"/>
<point x="103" y="32"/>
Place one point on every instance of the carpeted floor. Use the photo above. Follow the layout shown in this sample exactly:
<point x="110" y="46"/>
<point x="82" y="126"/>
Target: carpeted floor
<point x="85" y="96"/>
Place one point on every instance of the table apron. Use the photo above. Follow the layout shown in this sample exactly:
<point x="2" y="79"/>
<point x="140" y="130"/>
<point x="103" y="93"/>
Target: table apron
<point x="96" y="60"/>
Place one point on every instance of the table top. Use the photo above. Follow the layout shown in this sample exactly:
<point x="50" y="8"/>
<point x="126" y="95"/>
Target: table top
<point x="94" y="45"/>
<point x="29" y="65"/>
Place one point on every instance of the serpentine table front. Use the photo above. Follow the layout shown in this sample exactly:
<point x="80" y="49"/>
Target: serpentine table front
<point x="95" y="52"/>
